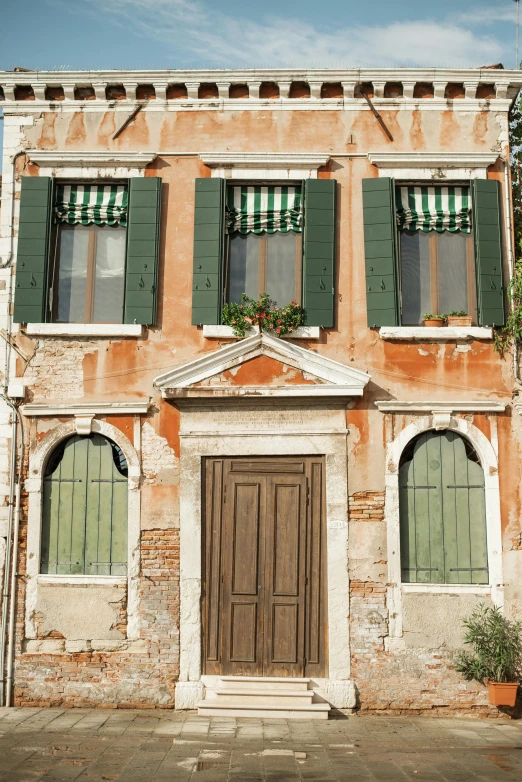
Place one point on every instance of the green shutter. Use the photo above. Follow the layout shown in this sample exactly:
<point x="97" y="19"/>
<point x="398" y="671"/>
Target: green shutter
<point x="143" y="230"/>
<point x="442" y="513"/>
<point x="488" y="252"/>
<point x="209" y="243"/>
<point x="34" y="231"/>
<point x="84" y="519"/>
<point x="319" y="251"/>
<point x="380" y="249"/>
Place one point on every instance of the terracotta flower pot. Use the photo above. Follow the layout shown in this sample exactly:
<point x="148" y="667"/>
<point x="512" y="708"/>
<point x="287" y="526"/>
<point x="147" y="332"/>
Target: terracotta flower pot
<point x="459" y="320"/>
<point x="434" y="322"/>
<point x="502" y="693"/>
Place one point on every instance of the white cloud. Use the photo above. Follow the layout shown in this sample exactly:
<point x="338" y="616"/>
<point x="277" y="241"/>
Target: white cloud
<point x="204" y="35"/>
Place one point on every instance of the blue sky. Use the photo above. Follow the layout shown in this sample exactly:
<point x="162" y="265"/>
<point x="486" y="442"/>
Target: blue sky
<point x="85" y="34"/>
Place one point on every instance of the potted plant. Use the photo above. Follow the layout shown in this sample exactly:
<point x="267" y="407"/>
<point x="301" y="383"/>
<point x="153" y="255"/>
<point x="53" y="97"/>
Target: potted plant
<point x="435" y="321"/>
<point x="497" y="653"/>
<point x="458" y="318"/>
<point x="262" y="312"/>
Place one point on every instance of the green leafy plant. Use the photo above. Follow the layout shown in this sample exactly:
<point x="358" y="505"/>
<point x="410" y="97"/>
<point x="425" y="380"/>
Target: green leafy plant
<point x="264" y="313"/>
<point x="429" y="316"/>
<point x="512" y="331"/>
<point x="497" y="647"/>
<point x="457" y="314"/>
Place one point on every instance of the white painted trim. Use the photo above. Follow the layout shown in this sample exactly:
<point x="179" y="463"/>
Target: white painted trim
<point x="437" y="405"/>
<point x="192" y="450"/>
<point x="448" y="589"/>
<point x="431" y="333"/>
<point x="349" y="381"/>
<point x="58" y="158"/>
<point x="33" y="485"/>
<point x="489" y="463"/>
<point x="84" y="329"/>
<point x="85" y="408"/>
<point x="227" y="332"/>
<point x="44" y="578"/>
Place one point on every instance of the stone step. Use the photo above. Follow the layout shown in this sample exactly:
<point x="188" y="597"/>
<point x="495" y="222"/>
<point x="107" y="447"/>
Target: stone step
<point x="262" y="683"/>
<point x="312" y="711"/>
<point x="262" y="697"/>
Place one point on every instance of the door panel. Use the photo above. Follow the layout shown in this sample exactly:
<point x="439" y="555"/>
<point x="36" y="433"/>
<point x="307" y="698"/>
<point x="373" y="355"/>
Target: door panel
<point x="263" y="598"/>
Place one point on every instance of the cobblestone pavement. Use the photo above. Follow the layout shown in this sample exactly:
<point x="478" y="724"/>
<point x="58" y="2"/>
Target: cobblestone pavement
<point x="99" y="745"/>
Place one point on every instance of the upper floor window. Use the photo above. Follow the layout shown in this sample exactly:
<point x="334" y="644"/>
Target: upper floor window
<point x="442" y="512"/>
<point x="88" y="274"/>
<point x="433" y="249"/>
<point x="88" y="252"/>
<point x="254" y="238"/>
<point x="436" y="252"/>
<point x="84" y="523"/>
<point x="264" y="226"/>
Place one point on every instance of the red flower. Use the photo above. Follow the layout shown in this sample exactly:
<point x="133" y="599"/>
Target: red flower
<point x="234" y="322"/>
<point x="279" y="321"/>
<point x="290" y="329"/>
<point x="278" y="331"/>
<point x="271" y="326"/>
<point x="240" y="306"/>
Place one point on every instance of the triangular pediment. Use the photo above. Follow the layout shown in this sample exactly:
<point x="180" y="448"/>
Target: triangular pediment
<point x="234" y="371"/>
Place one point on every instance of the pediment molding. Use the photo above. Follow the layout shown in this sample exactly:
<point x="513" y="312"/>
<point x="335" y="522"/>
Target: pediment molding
<point x="337" y="379"/>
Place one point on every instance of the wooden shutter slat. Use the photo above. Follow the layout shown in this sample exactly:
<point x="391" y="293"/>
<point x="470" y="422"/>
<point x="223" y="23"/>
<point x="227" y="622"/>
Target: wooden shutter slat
<point x="33" y="248"/>
<point x="319" y="251"/>
<point x="209" y="244"/>
<point x="143" y="240"/>
<point x="488" y="252"/>
<point x="380" y="249"/>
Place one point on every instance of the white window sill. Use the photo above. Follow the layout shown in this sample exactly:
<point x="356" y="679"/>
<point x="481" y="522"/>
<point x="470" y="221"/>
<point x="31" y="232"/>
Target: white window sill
<point x="427" y="333"/>
<point x="84" y="329"/>
<point x="227" y="332"/>
<point x="448" y="589"/>
<point x="81" y="580"/>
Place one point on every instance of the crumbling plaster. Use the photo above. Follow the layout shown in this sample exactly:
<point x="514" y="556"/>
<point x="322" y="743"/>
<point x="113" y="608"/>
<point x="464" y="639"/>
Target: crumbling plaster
<point x="79" y="613"/>
<point x="435" y="621"/>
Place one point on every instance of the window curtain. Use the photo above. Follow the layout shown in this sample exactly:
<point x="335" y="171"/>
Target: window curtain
<point x="91" y="204"/>
<point x="434" y="208"/>
<point x="259" y="209"/>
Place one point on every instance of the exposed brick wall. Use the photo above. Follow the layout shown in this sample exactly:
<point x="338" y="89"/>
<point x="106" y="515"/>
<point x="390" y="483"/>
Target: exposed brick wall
<point x="143" y="676"/>
<point x="366" y="506"/>
<point x="44" y="382"/>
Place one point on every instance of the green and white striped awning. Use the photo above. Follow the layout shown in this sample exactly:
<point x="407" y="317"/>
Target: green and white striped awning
<point x="438" y="208"/>
<point x="260" y="208"/>
<point x="87" y="204"/>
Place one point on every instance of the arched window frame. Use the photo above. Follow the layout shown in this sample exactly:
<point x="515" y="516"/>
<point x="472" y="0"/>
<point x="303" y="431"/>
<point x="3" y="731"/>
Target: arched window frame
<point x="34" y="486"/>
<point x="486" y="451"/>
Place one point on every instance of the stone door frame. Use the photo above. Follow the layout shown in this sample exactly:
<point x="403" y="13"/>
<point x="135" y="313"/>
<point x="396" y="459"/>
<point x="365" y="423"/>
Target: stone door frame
<point x="195" y="443"/>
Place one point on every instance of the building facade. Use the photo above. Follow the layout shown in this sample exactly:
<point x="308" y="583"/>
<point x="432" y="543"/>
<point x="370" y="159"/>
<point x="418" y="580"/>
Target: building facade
<point x="182" y="504"/>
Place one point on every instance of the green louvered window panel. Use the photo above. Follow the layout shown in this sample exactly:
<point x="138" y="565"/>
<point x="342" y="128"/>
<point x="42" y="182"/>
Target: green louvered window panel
<point x="84" y="519"/>
<point x="442" y="512"/>
<point x="488" y="252"/>
<point x="319" y="252"/>
<point x="143" y="241"/>
<point x="380" y="248"/>
<point x="209" y="245"/>
<point x="33" y="247"/>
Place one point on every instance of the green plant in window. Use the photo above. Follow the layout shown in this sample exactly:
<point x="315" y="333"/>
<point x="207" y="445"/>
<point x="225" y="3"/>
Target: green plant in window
<point x="457" y="314"/>
<point x="512" y="331"/>
<point x="497" y="647"/>
<point x="429" y="316"/>
<point x="262" y="312"/>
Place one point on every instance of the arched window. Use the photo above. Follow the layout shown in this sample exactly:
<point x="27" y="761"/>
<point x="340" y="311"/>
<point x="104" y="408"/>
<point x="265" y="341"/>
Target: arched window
<point x="84" y="524"/>
<point x="442" y="511"/>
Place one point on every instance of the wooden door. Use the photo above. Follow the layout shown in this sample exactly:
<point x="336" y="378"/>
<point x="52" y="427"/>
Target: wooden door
<point x="263" y="597"/>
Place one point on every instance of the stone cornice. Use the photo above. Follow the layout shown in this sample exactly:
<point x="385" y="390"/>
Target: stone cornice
<point x="84" y="409"/>
<point x="401" y="160"/>
<point x="429" y="407"/>
<point x="115" y="158"/>
<point x="293" y="160"/>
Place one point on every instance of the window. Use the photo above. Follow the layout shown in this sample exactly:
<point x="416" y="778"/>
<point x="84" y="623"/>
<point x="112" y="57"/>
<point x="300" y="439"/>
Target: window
<point x="442" y="512"/>
<point x="433" y="248"/>
<point x="88" y="252"/>
<point x="264" y="225"/>
<point x="437" y="265"/>
<point x="247" y="239"/>
<point x="89" y="267"/>
<point x="84" y="524"/>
